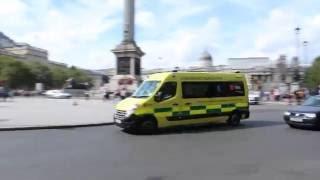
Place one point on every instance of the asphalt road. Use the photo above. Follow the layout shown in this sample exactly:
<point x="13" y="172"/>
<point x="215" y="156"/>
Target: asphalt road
<point x="263" y="148"/>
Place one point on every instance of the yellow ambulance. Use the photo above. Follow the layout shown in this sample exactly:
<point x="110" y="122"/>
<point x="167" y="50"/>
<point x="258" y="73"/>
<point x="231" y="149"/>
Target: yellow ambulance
<point x="184" y="98"/>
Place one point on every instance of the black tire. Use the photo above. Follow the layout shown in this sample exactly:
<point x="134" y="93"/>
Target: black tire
<point x="292" y="126"/>
<point x="148" y="126"/>
<point x="234" y="120"/>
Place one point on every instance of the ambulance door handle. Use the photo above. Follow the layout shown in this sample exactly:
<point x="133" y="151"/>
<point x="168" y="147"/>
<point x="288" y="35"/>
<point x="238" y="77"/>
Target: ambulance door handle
<point x="188" y="104"/>
<point x="175" y="104"/>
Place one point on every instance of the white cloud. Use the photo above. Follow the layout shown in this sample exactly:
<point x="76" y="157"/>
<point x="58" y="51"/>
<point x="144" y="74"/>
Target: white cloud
<point x="12" y="14"/>
<point x="179" y="9"/>
<point x="253" y="5"/>
<point x="145" y="19"/>
<point x="9" y="7"/>
<point x="274" y="35"/>
<point x="181" y="48"/>
<point x="65" y="31"/>
<point x="79" y="32"/>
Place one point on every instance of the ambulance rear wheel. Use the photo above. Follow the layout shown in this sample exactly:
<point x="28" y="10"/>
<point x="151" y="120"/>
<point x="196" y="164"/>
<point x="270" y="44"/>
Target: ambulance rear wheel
<point x="234" y="120"/>
<point x="148" y="126"/>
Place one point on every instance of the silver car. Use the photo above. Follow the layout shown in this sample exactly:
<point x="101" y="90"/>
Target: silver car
<point x="254" y="97"/>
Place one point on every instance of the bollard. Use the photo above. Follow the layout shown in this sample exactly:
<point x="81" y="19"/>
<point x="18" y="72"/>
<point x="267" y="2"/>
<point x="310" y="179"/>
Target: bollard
<point x="75" y="103"/>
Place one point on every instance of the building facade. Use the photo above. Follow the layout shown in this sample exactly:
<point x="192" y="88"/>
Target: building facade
<point x="28" y="52"/>
<point x="262" y="73"/>
<point x="23" y="51"/>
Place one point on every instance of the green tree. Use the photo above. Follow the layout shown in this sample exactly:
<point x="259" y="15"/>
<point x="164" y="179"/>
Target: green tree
<point x="59" y="76"/>
<point x="78" y="75"/>
<point x="42" y="73"/>
<point x="18" y="74"/>
<point x="15" y="73"/>
<point x="312" y="77"/>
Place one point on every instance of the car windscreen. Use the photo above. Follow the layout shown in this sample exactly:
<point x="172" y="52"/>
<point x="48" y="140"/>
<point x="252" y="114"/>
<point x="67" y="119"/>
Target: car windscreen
<point x="312" y="101"/>
<point x="146" y="89"/>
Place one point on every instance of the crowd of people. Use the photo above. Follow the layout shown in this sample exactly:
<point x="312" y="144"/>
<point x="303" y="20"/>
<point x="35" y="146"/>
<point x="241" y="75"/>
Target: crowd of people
<point x="120" y="93"/>
<point x="297" y="96"/>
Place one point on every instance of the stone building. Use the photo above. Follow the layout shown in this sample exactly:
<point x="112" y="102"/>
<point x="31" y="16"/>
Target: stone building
<point x="264" y="74"/>
<point x="28" y="52"/>
<point x="206" y="60"/>
<point x="23" y="51"/>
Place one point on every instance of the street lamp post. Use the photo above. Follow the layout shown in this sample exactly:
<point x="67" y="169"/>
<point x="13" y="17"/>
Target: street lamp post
<point x="297" y="30"/>
<point x="305" y="45"/>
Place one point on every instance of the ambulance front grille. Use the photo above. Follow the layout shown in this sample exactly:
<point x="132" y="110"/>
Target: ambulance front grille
<point x="120" y="115"/>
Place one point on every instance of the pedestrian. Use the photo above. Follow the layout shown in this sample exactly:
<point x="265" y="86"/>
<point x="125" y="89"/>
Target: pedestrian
<point x="306" y="93"/>
<point x="87" y="95"/>
<point x="277" y="94"/>
<point x="4" y="94"/>
<point x="299" y="96"/>
<point x="123" y="93"/>
<point x="289" y="96"/>
<point x="272" y="95"/>
<point x="261" y="94"/>
<point x="106" y="95"/>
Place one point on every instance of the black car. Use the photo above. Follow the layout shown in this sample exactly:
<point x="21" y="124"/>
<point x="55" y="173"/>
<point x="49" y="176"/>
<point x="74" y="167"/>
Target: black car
<point x="306" y="115"/>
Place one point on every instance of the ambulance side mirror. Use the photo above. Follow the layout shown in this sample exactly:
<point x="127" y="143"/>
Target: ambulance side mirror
<point x="158" y="96"/>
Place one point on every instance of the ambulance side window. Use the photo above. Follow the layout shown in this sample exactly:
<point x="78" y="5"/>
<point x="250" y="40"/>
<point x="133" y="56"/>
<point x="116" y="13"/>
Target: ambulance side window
<point x="167" y="91"/>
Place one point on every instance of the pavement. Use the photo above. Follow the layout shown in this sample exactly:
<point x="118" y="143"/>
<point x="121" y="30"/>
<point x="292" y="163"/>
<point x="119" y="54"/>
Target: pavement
<point x="42" y="113"/>
<point x="262" y="148"/>
<point x="39" y="113"/>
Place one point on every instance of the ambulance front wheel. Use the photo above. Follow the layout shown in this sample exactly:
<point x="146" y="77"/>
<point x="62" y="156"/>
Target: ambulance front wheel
<point x="148" y="126"/>
<point x="234" y="119"/>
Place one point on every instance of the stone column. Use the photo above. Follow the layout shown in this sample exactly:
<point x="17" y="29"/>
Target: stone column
<point x="129" y="14"/>
<point x="128" y="50"/>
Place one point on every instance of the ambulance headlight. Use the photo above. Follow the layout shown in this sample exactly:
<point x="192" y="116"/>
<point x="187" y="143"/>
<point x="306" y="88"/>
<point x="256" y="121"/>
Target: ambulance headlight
<point x="131" y="110"/>
<point x="287" y="113"/>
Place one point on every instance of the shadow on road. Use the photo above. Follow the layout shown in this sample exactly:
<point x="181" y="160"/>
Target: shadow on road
<point x="4" y="120"/>
<point x="217" y="127"/>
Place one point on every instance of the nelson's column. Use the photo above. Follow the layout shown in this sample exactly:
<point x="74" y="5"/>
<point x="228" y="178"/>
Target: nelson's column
<point x="128" y="54"/>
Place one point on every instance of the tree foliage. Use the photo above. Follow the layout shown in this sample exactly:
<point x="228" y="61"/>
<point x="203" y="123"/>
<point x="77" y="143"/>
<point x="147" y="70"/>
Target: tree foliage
<point x="16" y="74"/>
<point x="312" y="77"/>
<point x="42" y="73"/>
<point x="24" y="75"/>
<point x="78" y="75"/>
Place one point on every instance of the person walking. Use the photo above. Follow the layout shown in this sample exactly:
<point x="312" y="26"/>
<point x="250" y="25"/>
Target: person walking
<point x="299" y="96"/>
<point x="276" y="93"/>
<point x="123" y="93"/>
<point x="4" y="94"/>
<point x="106" y="95"/>
<point x="289" y="96"/>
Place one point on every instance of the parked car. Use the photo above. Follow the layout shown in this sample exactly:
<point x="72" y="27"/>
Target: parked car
<point x="254" y="97"/>
<point x="4" y="93"/>
<point x="57" y="94"/>
<point x="305" y="115"/>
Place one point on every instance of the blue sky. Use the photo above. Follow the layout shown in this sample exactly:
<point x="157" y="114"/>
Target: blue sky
<point x="171" y="32"/>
